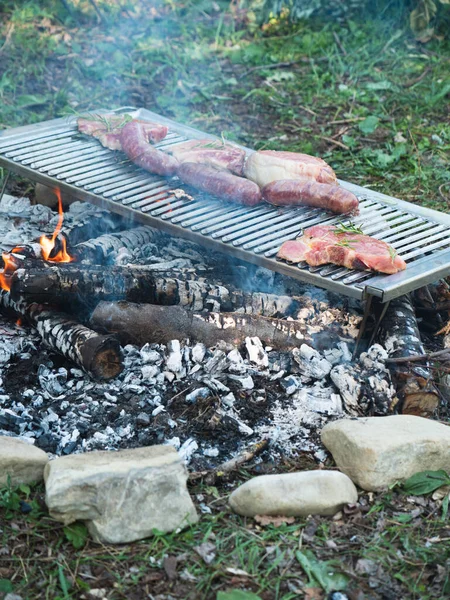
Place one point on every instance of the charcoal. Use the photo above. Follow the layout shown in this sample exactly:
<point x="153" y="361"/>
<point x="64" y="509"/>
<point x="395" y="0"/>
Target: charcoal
<point x="171" y="394"/>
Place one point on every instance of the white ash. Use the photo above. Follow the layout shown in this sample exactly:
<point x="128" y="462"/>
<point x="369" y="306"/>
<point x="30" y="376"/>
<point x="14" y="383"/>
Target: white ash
<point x="174" y="394"/>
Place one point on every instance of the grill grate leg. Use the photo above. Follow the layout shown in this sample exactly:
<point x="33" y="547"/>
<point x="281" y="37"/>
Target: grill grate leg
<point x="363" y="326"/>
<point x="5" y="182"/>
<point x="378" y="323"/>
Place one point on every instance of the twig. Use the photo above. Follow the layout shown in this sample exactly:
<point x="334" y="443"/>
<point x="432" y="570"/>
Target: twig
<point x="97" y="10"/>
<point x="335" y="142"/>
<point x="345" y="121"/>
<point x="412" y="82"/>
<point x="436" y="307"/>
<point x="419" y="357"/>
<point x="339" y="43"/>
<point x="279" y="65"/>
<point x="7" y="37"/>
<point x="243" y="457"/>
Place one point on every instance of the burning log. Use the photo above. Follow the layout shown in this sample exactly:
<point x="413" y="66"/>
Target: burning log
<point x="98" y="250"/>
<point x="142" y="323"/>
<point x="85" y="228"/>
<point x="399" y="334"/>
<point x="61" y="282"/>
<point x="99" y="355"/>
<point x="64" y="281"/>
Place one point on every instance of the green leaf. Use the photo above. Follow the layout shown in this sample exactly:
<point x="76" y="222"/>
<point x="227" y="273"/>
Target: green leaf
<point x="63" y="582"/>
<point x="349" y="141"/>
<point x="25" y="489"/>
<point x="28" y="100"/>
<point x="237" y="595"/>
<point x="5" y="586"/>
<point x="382" y="159"/>
<point x="369" y="124"/>
<point x="76" y="533"/>
<point x="321" y="573"/>
<point x="425" y="482"/>
<point x="379" y="85"/>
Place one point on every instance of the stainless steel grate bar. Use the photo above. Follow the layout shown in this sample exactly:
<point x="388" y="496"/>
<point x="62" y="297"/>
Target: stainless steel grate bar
<point x="56" y="154"/>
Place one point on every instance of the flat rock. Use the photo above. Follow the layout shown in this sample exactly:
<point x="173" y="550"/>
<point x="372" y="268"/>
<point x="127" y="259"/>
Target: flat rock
<point x="294" y="494"/>
<point x="21" y="462"/>
<point x="375" y="452"/>
<point x="123" y="496"/>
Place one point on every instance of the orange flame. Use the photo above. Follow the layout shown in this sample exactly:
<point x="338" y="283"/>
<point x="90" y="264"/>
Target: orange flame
<point x="8" y="270"/>
<point x="47" y="244"/>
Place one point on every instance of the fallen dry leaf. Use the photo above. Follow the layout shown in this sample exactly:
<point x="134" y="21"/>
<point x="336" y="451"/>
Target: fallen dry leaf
<point x="265" y="520"/>
<point x="207" y="551"/>
<point x="170" y="567"/>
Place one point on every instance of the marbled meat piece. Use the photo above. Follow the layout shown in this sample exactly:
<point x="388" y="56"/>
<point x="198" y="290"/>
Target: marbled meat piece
<point x="266" y="166"/>
<point x="307" y="192"/>
<point x="134" y="140"/>
<point x="210" y="152"/>
<point x="324" y="244"/>
<point x="220" y="183"/>
<point x="108" y="128"/>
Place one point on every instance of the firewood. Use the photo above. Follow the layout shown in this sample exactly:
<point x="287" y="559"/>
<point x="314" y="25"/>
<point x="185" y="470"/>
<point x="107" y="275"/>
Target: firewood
<point x="399" y="334"/>
<point x="142" y="323"/>
<point x="90" y="224"/>
<point x="98" y="250"/>
<point x="99" y="355"/>
<point x="57" y="283"/>
<point x="64" y="281"/>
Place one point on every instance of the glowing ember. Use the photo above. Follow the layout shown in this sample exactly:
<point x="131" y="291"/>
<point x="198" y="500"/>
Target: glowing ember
<point x="47" y="244"/>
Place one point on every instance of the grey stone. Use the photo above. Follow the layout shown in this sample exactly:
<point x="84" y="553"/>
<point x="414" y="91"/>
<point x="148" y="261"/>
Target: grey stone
<point x="375" y="452"/>
<point x="123" y="496"/>
<point x="20" y="461"/>
<point x="294" y="494"/>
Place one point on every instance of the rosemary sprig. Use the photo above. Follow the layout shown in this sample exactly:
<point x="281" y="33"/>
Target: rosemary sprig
<point x="348" y="228"/>
<point x="392" y="253"/>
<point x="344" y="243"/>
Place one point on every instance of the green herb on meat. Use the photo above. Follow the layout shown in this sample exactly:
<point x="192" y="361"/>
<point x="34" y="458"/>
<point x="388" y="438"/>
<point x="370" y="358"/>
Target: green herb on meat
<point x="348" y="228"/>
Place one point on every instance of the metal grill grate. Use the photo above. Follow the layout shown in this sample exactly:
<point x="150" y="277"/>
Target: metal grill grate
<point x="54" y="153"/>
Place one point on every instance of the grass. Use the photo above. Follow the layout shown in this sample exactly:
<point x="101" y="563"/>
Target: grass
<point x="365" y="96"/>
<point x="387" y="548"/>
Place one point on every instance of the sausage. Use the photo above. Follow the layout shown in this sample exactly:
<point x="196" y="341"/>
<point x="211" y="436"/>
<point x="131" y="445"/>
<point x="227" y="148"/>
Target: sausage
<point x="307" y="192"/>
<point x="135" y="145"/>
<point x="221" y="183"/>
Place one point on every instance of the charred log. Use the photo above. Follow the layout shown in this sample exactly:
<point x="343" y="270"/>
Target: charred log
<point x="99" y="355"/>
<point x="101" y="249"/>
<point x="64" y="281"/>
<point x="91" y="225"/>
<point x="142" y="323"/>
<point x="400" y="336"/>
<point x="366" y="387"/>
<point x="57" y="283"/>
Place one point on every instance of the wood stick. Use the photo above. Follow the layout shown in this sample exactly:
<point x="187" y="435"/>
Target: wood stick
<point x="399" y="334"/>
<point x="56" y="283"/>
<point x="99" y="250"/>
<point x="420" y="357"/>
<point x="245" y="456"/>
<point x="99" y="355"/>
<point x="142" y="323"/>
<point x="64" y="281"/>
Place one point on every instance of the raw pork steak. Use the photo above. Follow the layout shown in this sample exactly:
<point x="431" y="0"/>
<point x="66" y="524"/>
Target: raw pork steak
<point x="324" y="244"/>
